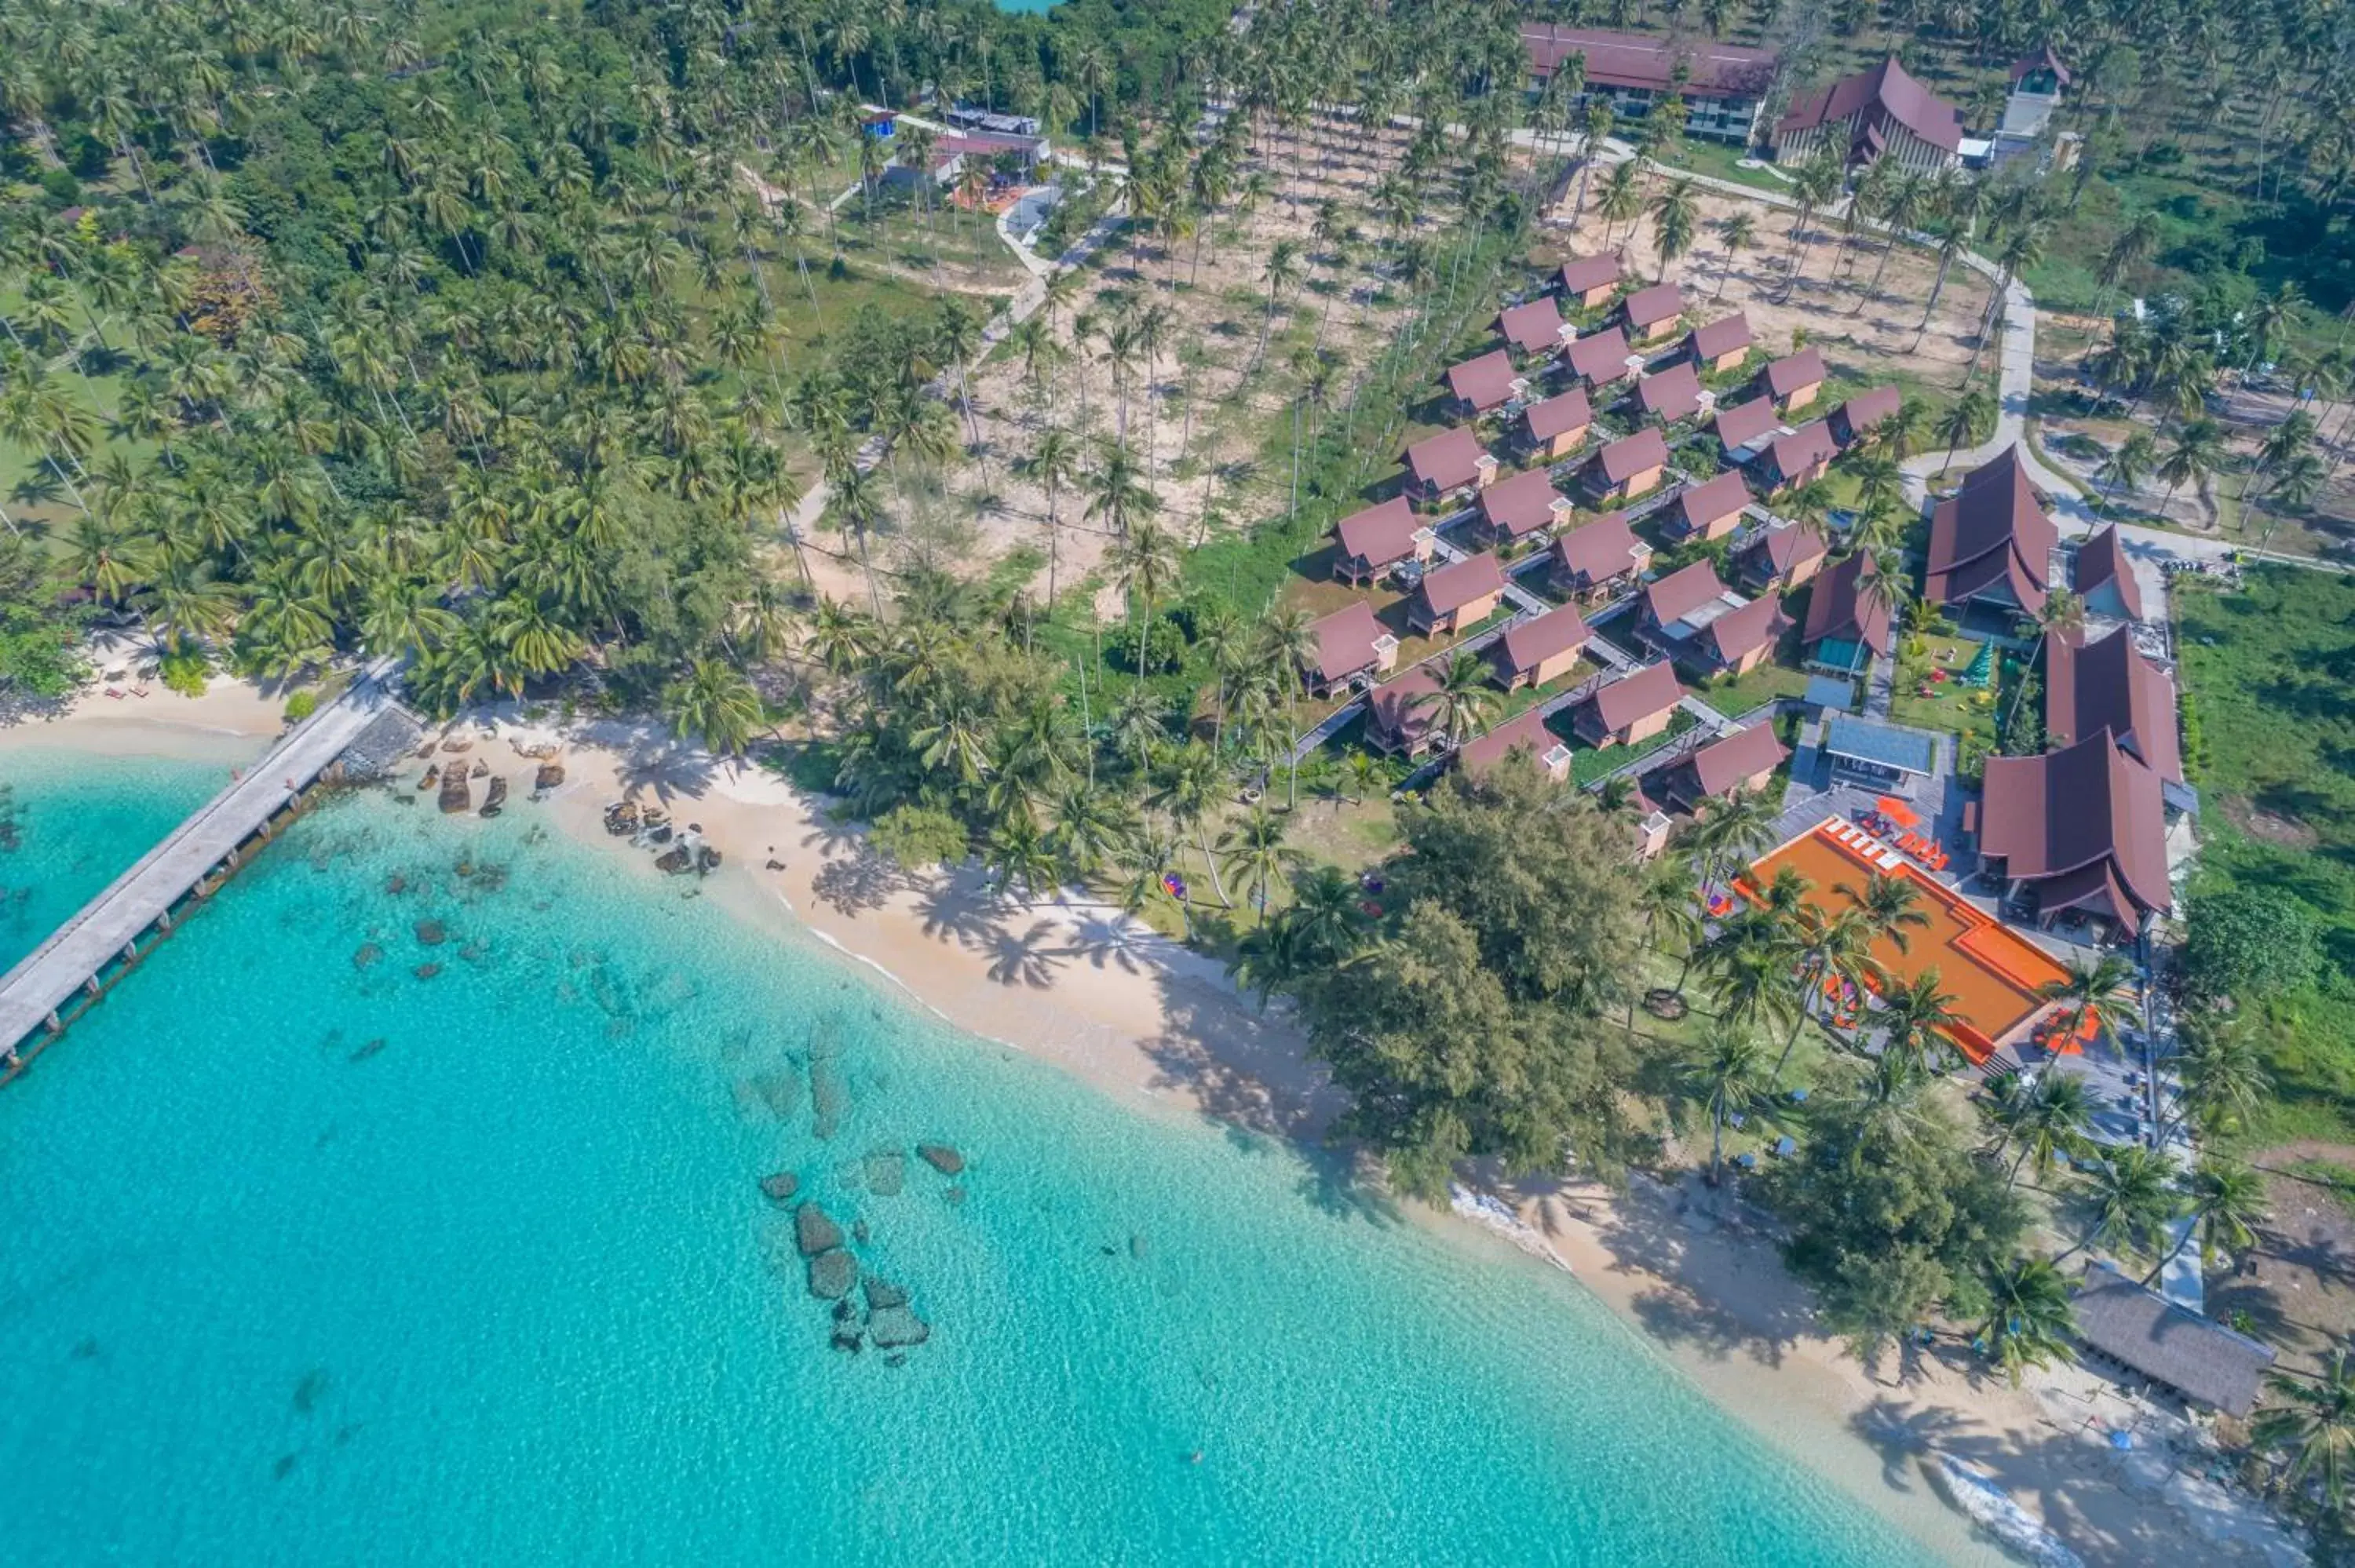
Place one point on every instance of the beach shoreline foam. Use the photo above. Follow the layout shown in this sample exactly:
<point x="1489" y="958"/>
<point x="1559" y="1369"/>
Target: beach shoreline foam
<point x="1161" y="1028"/>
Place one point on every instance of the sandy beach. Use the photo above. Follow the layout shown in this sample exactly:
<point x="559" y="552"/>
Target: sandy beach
<point x="1161" y="1028"/>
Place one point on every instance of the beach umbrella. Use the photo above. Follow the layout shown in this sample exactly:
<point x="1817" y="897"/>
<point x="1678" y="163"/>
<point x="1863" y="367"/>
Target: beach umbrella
<point x="1174" y="884"/>
<point x="1897" y="811"/>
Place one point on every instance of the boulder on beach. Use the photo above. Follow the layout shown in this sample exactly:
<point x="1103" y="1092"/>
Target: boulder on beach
<point x="886" y="1170"/>
<point x="368" y="953"/>
<point x="831" y="1275"/>
<point x="813" y="1232"/>
<point x="881" y="1293"/>
<point x="941" y="1158"/>
<point x="456" y="796"/>
<point x="432" y="933"/>
<point x="781" y="1186"/>
<point x="893" y="1327"/>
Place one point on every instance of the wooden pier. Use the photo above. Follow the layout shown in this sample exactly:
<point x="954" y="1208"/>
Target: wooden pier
<point x="66" y="974"/>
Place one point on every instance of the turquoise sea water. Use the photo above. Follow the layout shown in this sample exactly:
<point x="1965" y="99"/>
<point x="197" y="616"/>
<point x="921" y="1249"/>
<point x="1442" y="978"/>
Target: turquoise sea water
<point x="77" y="825"/>
<point x="311" y="1259"/>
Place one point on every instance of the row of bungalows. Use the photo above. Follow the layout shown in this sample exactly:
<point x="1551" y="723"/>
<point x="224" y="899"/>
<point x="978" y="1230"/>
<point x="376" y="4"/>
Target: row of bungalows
<point x="1694" y="618"/>
<point x="1740" y="762"/>
<point x="1991" y="543"/>
<point x="1529" y="653"/>
<point x="1624" y="712"/>
<point x="1349" y="647"/>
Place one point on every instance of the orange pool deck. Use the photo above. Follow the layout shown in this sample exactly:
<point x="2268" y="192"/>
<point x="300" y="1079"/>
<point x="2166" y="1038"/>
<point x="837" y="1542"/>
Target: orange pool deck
<point x="1992" y="973"/>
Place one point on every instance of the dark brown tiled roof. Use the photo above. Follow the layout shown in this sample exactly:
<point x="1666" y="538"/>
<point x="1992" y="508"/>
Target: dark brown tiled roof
<point x="1446" y="459"/>
<point x="1586" y="272"/>
<point x="1991" y="533"/>
<point x="2042" y="59"/>
<point x="1724" y="763"/>
<point x="1600" y="356"/>
<point x="1396" y="707"/>
<point x="1787" y="546"/>
<point x="1451" y="587"/>
<point x="1531" y="642"/>
<point x="1673" y="393"/>
<point x="1526" y="730"/>
<point x="1836" y="607"/>
<point x="1379" y="536"/>
<point x="2108" y="684"/>
<point x="1520" y="505"/>
<point x="1636" y="60"/>
<point x="1672" y="598"/>
<point x="2101" y="562"/>
<point x="1712" y="501"/>
<point x="1738" y="633"/>
<point x="2197" y="1357"/>
<point x="1884" y="91"/>
<point x="1866" y="409"/>
<point x="1533" y="328"/>
<point x="1808" y="444"/>
<point x="2084" y="825"/>
<point x="1485" y="382"/>
<point x="1344" y="641"/>
<point x="1795" y="373"/>
<point x="1623" y="459"/>
<point x="1660" y="303"/>
<point x="1722" y="336"/>
<point x="1570" y="411"/>
<point x="1741" y="424"/>
<point x="1599" y="550"/>
<point x="1637" y="695"/>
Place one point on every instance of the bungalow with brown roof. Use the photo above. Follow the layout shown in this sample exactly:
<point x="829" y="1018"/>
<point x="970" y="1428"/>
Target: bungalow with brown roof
<point x="2108" y="685"/>
<point x="1743" y="428"/>
<point x="1802" y="457"/>
<point x="1636" y="706"/>
<point x="1673" y="393"/>
<point x="1846" y="624"/>
<point x="2104" y="578"/>
<point x="1596" y="558"/>
<point x="1627" y="468"/>
<point x="1591" y="281"/>
<point x="1558" y="426"/>
<point x="1743" y="761"/>
<point x="1858" y="418"/>
<point x="1536" y="329"/>
<point x="1721" y="345"/>
<point x="1990" y="542"/>
<point x="1709" y="510"/>
<point x="1600" y="359"/>
<point x="1783" y="557"/>
<point x="1794" y="380"/>
<point x="1485" y="385"/>
<point x="1371" y="542"/>
<point x="1513" y="509"/>
<point x="1696" y="619"/>
<point x="1653" y="314"/>
<point x="1532" y="652"/>
<point x="1526" y="733"/>
<point x="1349" y="644"/>
<point x="1456" y="595"/>
<point x="1401" y="717"/>
<point x="1878" y="114"/>
<point x="2126" y="1326"/>
<point x="1450" y="460"/>
<point x="2081" y="829"/>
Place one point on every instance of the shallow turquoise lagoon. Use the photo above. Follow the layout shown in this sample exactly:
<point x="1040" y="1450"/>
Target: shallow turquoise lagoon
<point x="69" y="824"/>
<point x="312" y="1258"/>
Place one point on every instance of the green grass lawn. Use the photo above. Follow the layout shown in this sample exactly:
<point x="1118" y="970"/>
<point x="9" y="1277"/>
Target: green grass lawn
<point x="1720" y="162"/>
<point x="2267" y="670"/>
<point x="1736" y="695"/>
<point x="1951" y="706"/>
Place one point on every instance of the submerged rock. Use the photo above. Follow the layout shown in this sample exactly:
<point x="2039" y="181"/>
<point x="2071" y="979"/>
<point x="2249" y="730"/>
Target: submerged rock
<point x="780" y="1091"/>
<point x="881" y="1293"/>
<point x="831" y="1275"/>
<point x="813" y="1232"/>
<point x="432" y="933"/>
<point x="829" y="1094"/>
<point x="886" y="1170"/>
<point x="846" y="1339"/>
<point x="941" y="1158"/>
<point x="893" y="1327"/>
<point x="896" y="1359"/>
<point x="426" y="971"/>
<point x="367" y="954"/>
<point x="1136" y="1245"/>
<point x="396" y="885"/>
<point x="954" y="1195"/>
<point x="859" y="1232"/>
<point x="781" y="1186"/>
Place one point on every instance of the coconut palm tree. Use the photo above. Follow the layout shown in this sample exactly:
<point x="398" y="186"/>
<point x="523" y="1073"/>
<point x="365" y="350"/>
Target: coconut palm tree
<point x="1270" y="955"/>
<point x="1324" y="909"/>
<point x="1727" y="1075"/>
<point x="1748" y="971"/>
<point x="1892" y="908"/>
<point x="2193" y="455"/>
<point x="1916" y="1018"/>
<point x="1255" y="852"/>
<point x="1736" y="232"/>
<point x="1144" y="565"/>
<point x="1463" y="702"/>
<point x="2063" y="612"/>
<point x="2101" y="989"/>
<point x="2131" y="1199"/>
<point x="1054" y="462"/>
<point x="1676" y="216"/>
<point x="1730" y="831"/>
<point x="2052" y="1120"/>
<point x="1193" y="785"/>
<point x="2130" y="462"/>
<point x="2225" y="1202"/>
<point x="1814" y="184"/>
<point x="2224" y="1075"/>
<point x="714" y="703"/>
<point x="1828" y="947"/>
<point x="1972" y="412"/>
<point x="2314" y="1418"/>
<point x="2028" y="1321"/>
<point x="1117" y="494"/>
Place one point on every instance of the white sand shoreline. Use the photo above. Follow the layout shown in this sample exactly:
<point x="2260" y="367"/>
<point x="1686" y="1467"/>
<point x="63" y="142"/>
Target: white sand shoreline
<point x="1159" y="1027"/>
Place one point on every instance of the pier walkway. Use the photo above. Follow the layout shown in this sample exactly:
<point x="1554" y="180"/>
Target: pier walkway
<point x="38" y="996"/>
